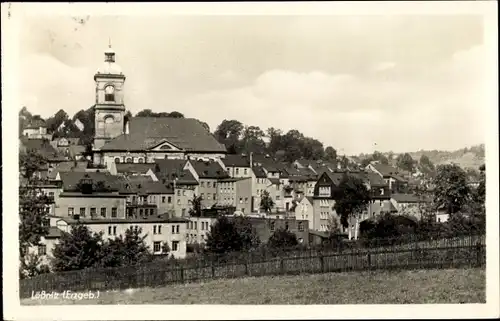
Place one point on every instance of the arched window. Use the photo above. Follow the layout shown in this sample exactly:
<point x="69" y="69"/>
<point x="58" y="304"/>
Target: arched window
<point x="129" y="160"/>
<point x="117" y="160"/>
<point x="165" y="147"/>
<point x="109" y="119"/>
<point x="141" y="160"/>
<point x="109" y="93"/>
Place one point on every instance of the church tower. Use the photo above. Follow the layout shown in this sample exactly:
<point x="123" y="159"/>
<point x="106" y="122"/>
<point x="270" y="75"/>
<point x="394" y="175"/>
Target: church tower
<point x="109" y="103"/>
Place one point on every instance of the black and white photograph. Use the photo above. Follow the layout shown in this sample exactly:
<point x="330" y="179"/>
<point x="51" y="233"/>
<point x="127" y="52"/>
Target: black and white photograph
<point x="254" y="156"/>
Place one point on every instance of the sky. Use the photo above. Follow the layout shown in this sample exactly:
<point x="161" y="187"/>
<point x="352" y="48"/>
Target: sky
<point x="357" y="83"/>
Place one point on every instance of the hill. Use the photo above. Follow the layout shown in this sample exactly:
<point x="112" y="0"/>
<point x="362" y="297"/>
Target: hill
<point x="469" y="157"/>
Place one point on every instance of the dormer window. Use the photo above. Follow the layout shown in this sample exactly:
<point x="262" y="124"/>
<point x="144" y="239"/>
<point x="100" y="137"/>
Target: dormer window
<point x="109" y="93"/>
<point x="166" y="146"/>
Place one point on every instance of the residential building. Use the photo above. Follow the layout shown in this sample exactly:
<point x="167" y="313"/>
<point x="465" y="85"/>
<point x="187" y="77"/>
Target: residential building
<point x="305" y="211"/>
<point x="235" y="192"/>
<point x="237" y="165"/>
<point x="157" y="230"/>
<point x="409" y="204"/>
<point x="142" y="139"/>
<point x="207" y="173"/>
<point x="198" y="229"/>
<point x="47" y="245"/>
<point x="265" y="227"/>
<point x="392" y="176"/>
<point x="37" y="129"/>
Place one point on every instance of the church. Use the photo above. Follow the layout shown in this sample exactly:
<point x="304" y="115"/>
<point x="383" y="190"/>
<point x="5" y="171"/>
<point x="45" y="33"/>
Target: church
<point x="142" y="139"/>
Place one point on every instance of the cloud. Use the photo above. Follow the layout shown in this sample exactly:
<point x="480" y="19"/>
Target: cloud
<point x="436" y="108"/>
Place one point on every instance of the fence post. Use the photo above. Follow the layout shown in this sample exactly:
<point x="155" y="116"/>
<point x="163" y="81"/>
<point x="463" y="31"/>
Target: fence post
<point x="322" y="262"/>
<point x="478" y="253"/>
<point x="212" y="267"/>
<point x="282" y="265"/>
<point x="369" y="260"/>
<point x="182" y="273"/>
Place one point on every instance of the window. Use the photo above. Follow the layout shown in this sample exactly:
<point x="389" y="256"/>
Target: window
<point x="51" y="194"/>
<point x="237" y="171"/>
<point x="208" y="184"/>
<point x="42" y="249"/>
<point x="202" y="196"/>
<point x="241" y="200"/>
<point x="129" y="160"/>
<point x="156" y="246"/>
<point x="245" y="171"/>
<point x="209" y="196"/>
<point x="246" y="200"/>
<point x="202" y="184"/>
<point x="195" y="225"/>
<point x="272" y="226"/>
<point x="141" y="160"/>
<point x="114" y="230"/>
<point x="71" y="211"/>
<point x="163" y="199"/>
<point x="159" y="229"/>
<point x="183" y="212"/>
<point x="183" y="192"/>
<point x="109" y="94"/>
<point x="286" y="226"/>
<point x="103" y="212"/>
<point x="178" y="202"/>
<point x="169" y="200"/>
<point x="173" y="229"/>
<point x="136" y="228"/>
<point x="117" y="160"/>
<point x="202" y="226"/>
<point x="175" y="246"/>
<point x="178" y="192"/>
<point x="114" y="211"/>
<point x="154" y="229"/>
<point x="215" y="197"/>
<point x="277" y="197"/>
<point x="301" y="226"/>
<point x="141" y="211"/>
<point x="110" y="229"/>
<point x="215" y="184"/>
<point x="93" y="212"/>
<point x="82" y="211"/>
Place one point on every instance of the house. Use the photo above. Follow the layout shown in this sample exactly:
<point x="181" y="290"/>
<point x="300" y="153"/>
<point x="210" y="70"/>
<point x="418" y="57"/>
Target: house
<point x="305" y="211"/>
<point x="37" y="129"/>
<point x="43" y="148"/>
<point x="136" y="169"/>
<point x="46" y="246"/>
<point x="198" y="229"/>
<point x="259" y="185"/>
<point x="207" y="173"/>
<point x="157" y="230"/>
<point x="90" y="195"/>
<point x="142" y="139"/>
<point x="235" y="192"/>
<point x="185" y="185"/>
<point x="237" y="165"/>
<point x="392" y="176"/>
<point x="409" y="204"/>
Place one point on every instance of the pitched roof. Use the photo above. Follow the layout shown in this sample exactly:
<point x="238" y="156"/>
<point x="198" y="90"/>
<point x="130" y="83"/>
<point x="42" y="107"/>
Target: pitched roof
<point x="143" y="185"/>
<point x="70" y="180"/>
<point x="134" y="168"/>
<point x="35" y="124"/>
<point x="409" y="198"/>
<point x="236" y="161"/>
<point x="274" y="181"/>
<point x="259" y="172"/>
<point x="168" y="170"/>
<point x="208" y="169"/>
<point x="53" y="233"/>
<point x="147" y="132"/>
<point x="68" y="166"/>
<point x="161" y="218"/>
<point x="42" y="147"/>
<point x="389" y="171"/>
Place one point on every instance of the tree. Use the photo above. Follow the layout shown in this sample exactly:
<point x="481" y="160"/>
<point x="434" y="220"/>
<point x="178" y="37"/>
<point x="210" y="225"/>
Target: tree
<point x="451" y="189"/>
<point x="351" y="198"/>
<point x="331" y="154"/>
<point x="227" y="236"/>
<point x="344" y="162"/>
<point x="282" y="239"/>
<point x="229" y="133"/>
<point x="426" y="166"/>
<point x="252" y="140"/>
<point x="57" y="120"/>
<point x="31" y="266"/>
<point x="33" y="203"/>
<point x="196" y="209"/>
<point x="266" y="202"/>
<point x="378" y="156"/>
<point x="405" y="162"/>
<point x="175" y="114"/>
<point x="125" y="251"/>
<point x="145" y="113"/>
<point x="78" y="249"/>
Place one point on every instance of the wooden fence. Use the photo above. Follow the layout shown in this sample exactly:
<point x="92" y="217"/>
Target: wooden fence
<point x="445" y="253"/>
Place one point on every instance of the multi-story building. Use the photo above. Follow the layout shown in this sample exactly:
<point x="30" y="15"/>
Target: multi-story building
<point x="207" y="173"/>
<point x="392" y="176"/>
<point x="142" y="139"/>
<point x="237" y="165"/>
<point x="198" y="229"/>
<point x="235" y="192"/>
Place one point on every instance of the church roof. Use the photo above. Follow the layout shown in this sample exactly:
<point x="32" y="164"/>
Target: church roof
<point x="187" y="134"/>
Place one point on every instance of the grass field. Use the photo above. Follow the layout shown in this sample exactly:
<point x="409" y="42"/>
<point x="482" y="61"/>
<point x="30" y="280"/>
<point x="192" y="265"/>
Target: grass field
<point x="402" y="287"/>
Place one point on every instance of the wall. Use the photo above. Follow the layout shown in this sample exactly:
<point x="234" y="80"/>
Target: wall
<point x="117" y="201"/>
<point x="266" y="227"/>
<point x="323" y="213"/>
<point x="238" y="172"/>
<point x="49" y="243"/>
<point x="198" y="228"/>
<point x="183" y="195"/>
<point x="208" y="190"/>
<point x="243" y="189"/>
<point x="147" y="230"/>
<point x="305" y="211"/>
